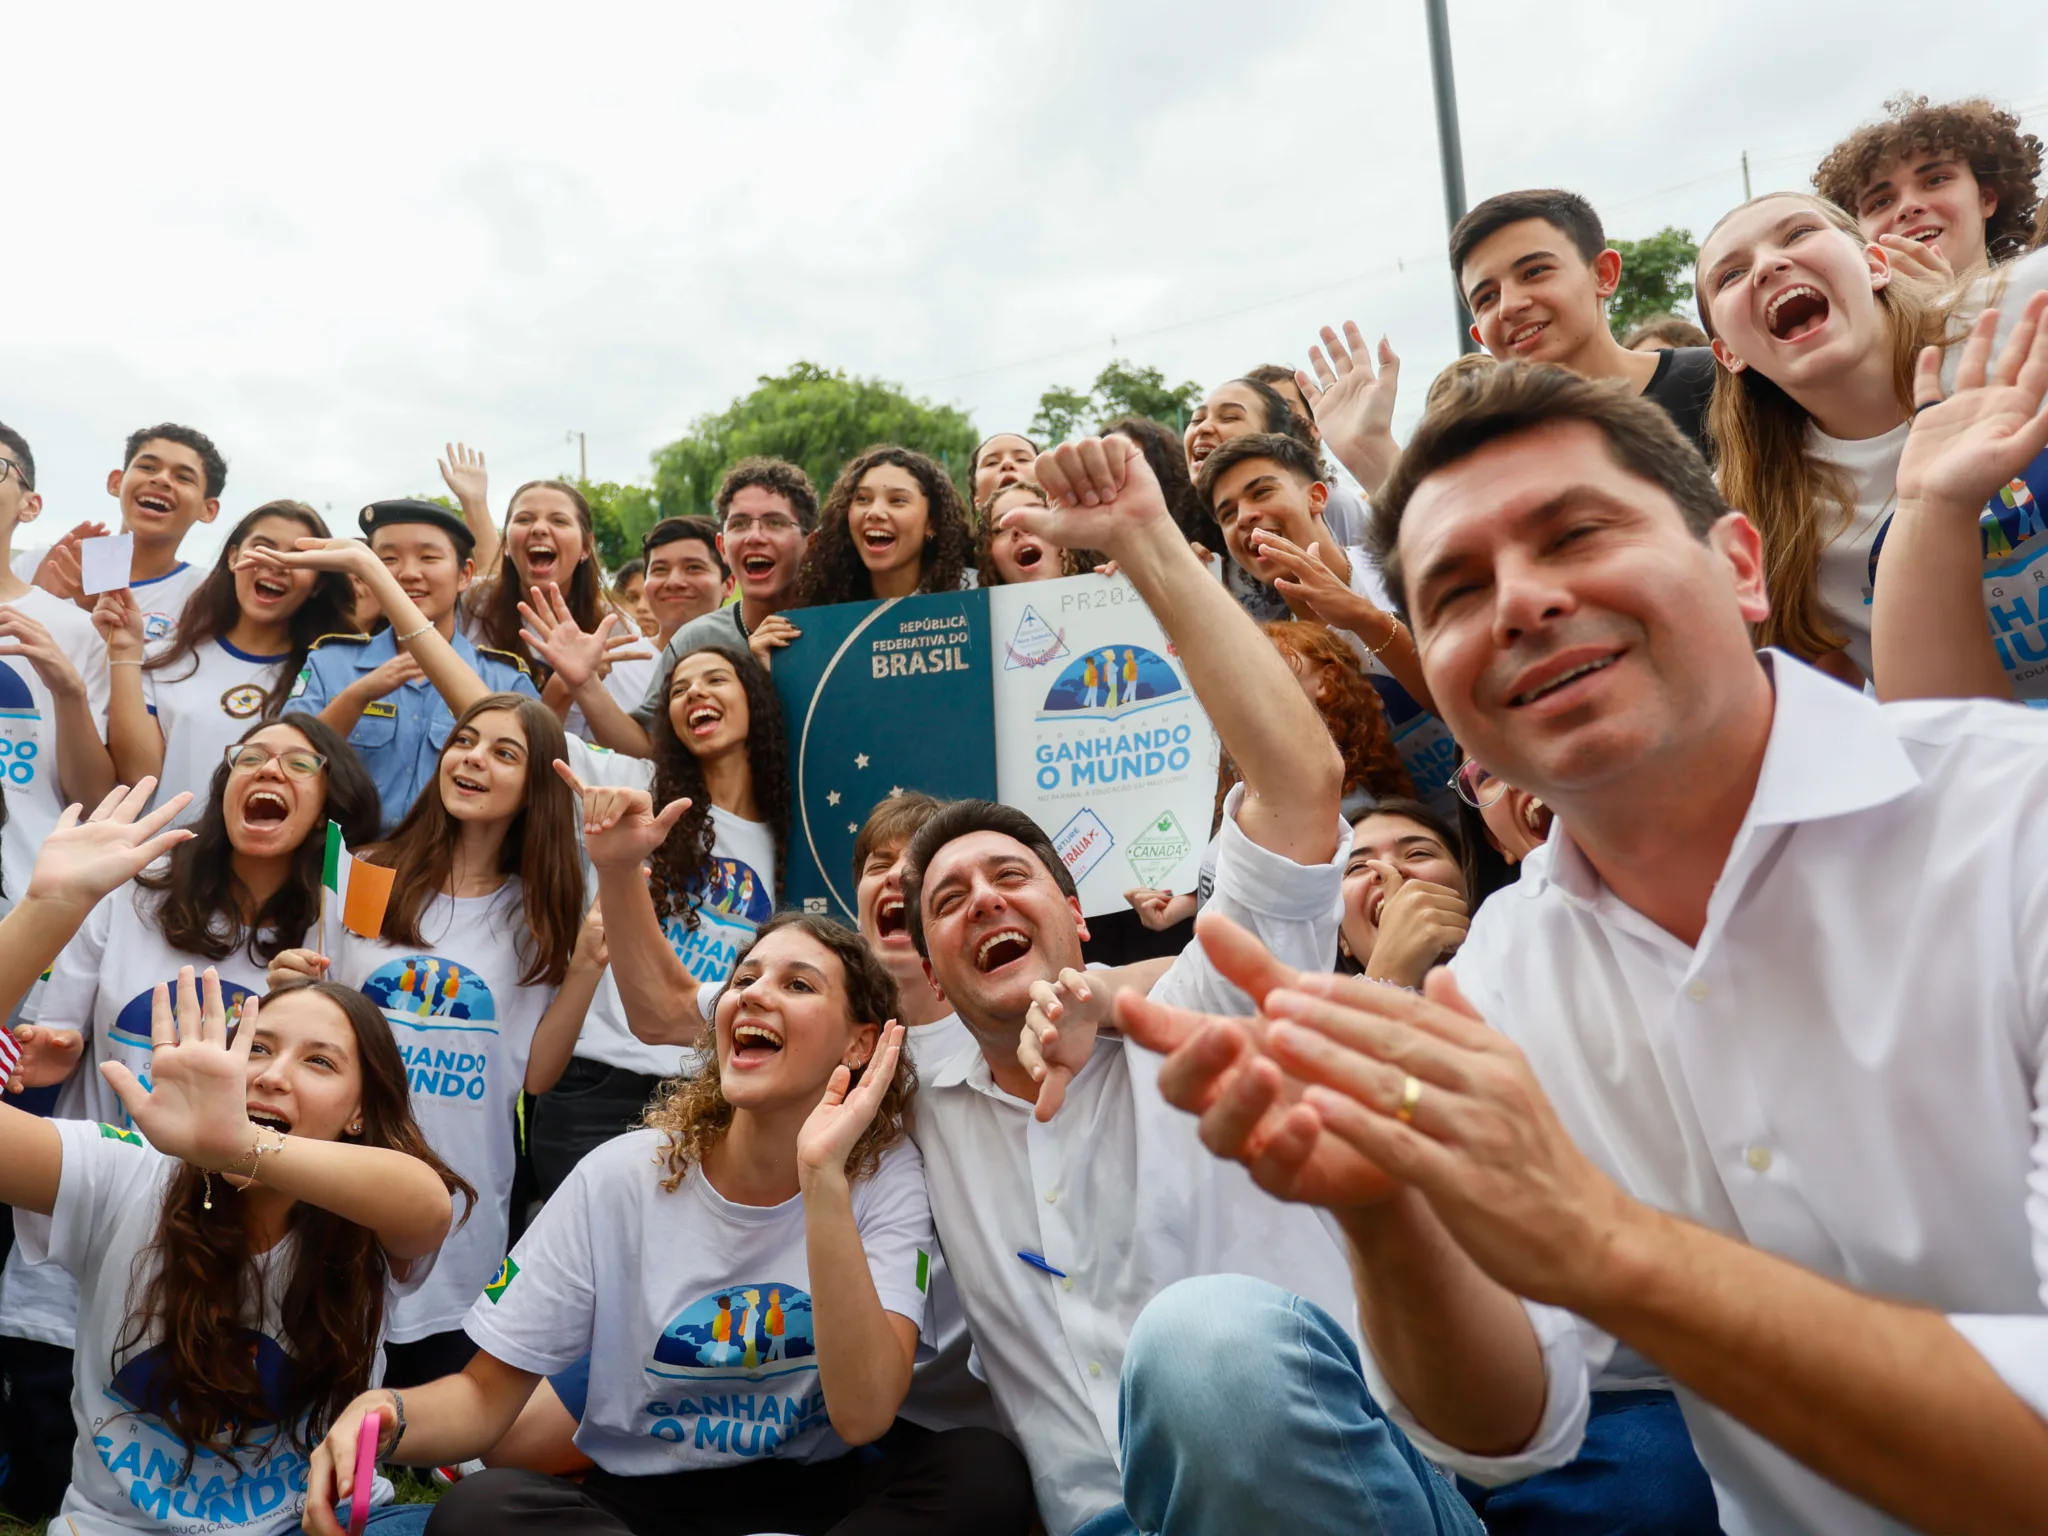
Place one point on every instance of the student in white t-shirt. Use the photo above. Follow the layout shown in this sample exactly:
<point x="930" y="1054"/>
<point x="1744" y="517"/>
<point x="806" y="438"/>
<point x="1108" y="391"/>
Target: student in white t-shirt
<point x="747" y="1276"/>
<point x="484" y="968"/>
<point x="1817" y="332"/>
<point x="719" y="752"/>
<point x="244" y="887"/>
<point x="235" y="1266"/>
<point x="176" y="705"/>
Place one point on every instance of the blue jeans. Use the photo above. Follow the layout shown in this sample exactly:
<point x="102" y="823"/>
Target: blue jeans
<point x="1636" y="1475"/>
<point x="385" y="1520"/>
<point x="1245" y="1409"/>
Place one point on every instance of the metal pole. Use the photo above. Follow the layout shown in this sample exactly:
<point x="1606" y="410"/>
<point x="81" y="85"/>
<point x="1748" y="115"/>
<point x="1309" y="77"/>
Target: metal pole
<point x="1745" y="175"/>
<point x="1449" y="148"/>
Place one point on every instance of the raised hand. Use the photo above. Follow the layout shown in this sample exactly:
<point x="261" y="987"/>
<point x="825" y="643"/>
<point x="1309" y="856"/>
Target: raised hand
<point x="1964" y="449"/>
<point x="350" y="555"/>
<point x="291" y="965"/>
<point x="118" y="618"/>
<point x="1354" y="406"/>
<point x="620" y="828"/>
<point x="1059" y="1036"/>
<point x="23" y="636"/>
<point x="771" y="635"/>
<point x="48" y="1056"/>
<point x="1310" y="586"/>
<point x="81" y="861"/>
<point x="829" y="1135"/>
<point x="462" y="471"/>
<point x="576" y="655"/>
<point x="196" y="1107"/>
<point x="1915" y="259"/>
<point x="60" y="573"/>
<point x="1420" y="923"/>
<point x="1103" y="493"/>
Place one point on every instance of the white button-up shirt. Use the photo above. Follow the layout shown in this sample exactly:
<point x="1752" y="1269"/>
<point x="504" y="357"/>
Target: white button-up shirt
<point x="1119" y="1195"/>
<point x="1849" y="1070"/>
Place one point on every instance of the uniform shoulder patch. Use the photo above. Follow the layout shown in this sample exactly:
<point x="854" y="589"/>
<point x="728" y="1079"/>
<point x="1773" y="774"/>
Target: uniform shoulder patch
<point x="510" y="658"/>
<point x="339" y="639"/>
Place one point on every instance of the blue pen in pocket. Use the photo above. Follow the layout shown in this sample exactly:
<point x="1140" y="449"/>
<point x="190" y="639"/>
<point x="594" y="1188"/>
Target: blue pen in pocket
<point x="1037" y="1261"/>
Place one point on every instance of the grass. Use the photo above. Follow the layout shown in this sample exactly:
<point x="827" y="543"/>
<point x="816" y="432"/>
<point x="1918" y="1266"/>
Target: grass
<point x="411" y="1489"/>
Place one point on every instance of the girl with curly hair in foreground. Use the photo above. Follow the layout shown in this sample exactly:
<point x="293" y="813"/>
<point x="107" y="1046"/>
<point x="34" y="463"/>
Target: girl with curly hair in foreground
<point x="747" y="1275"/>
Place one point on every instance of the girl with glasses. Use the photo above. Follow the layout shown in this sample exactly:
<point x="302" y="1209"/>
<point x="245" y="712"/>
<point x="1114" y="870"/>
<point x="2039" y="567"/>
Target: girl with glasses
<point x="242" y="888"/>
<point x="1502" y="826"/>
<point x="176" y="704"/>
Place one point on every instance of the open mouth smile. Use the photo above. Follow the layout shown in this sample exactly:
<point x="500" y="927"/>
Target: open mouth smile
<point x="704" y="719"/>
<point x="1027" y="556"/>
<point x="753" y="1043"/>
<point x="1562" y="681"/>
<point x="1004" y="947"/>
<point x="889" y="923"/>
<point x="1524" y="336"/>
<point x="878" y="541"/>
<point x="150" y="501"/>
<point x="269" y="1119"/>
<point x="271" y="589"/>
<point x="1796" y="312"/>
<point x="1926" y="234"/>
<point x="266" y="808"/>
<point x="540" y="560"/>
<point x="468" y="785"/>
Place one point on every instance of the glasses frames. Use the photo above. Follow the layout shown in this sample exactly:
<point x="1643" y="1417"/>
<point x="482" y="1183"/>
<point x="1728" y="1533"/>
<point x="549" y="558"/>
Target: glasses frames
<point x="773" y="523"/>
<point x="297" y="762"/>
<point x="1475" y="786"/>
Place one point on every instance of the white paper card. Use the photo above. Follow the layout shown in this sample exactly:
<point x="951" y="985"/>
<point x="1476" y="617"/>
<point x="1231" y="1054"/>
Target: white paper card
<point x="105" y="564"/>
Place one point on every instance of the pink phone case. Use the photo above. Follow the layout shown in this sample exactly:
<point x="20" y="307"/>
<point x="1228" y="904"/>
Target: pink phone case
<point x="366" y="1470"/>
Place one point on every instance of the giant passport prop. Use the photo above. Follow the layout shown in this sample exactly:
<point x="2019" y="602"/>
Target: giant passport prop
<point x="1062" y="698"/>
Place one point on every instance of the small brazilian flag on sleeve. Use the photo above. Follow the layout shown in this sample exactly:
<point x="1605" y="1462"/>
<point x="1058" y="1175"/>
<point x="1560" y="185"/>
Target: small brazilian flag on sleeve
<point x="134" y="1139"/>
<point x="507" y="1273"/>
<point x="924" y="1272"/>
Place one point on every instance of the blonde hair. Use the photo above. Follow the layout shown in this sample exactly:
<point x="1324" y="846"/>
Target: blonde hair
<point x="693" y="1113"/>
<point x="1798" y="502"/>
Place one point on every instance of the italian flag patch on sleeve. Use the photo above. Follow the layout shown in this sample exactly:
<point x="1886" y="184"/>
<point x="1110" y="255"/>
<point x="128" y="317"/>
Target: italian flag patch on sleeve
<point x="507" y="1273"/>
<point x="924" y="1272"/>
<point x="134" y="1139"/>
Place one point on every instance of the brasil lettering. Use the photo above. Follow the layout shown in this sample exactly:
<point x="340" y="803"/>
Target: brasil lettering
<point x="737" y="1423"/>
<point x="924" y="646"/>
<point x="1114" y="759"/>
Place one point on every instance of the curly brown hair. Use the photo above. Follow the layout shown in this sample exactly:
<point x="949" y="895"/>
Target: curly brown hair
<point x="2001" y="156"/>
<point x="832" y="569"/>
<point x="985" y="532"/>
<point x="682" y="873"/>
<point x="693" y="1113"/>
<point x="1357" y="721"/>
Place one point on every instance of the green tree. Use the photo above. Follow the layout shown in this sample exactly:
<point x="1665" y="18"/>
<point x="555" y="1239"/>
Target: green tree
<point x="1655" y="278"/>
<point x="619" y="515"/>
<point x="812" y="416"/>
<point x="1121" y="389"/>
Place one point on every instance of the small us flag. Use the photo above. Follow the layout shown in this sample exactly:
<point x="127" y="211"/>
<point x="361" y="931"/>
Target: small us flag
<point x="10" y="1054"/>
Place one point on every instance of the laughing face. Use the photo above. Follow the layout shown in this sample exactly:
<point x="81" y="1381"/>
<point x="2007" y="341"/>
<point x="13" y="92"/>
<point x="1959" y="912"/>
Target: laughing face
<point x="1572" y="628"/>
<point x="1935" y="199"/>
<point x="878" y="906"/>
<point x="763" y="544"/>
<point x="1004" y="459"/>
<point x="781" y="1027"/>
<point x="1411" y="850"/>
<point x="263" y="592"/>
<point x="1231" y="410"/>
<point x="1786" y="291"/>
<point x="890" y="523"/>
<point x="1260" y="495"/>
<point x="707" y="705"/>
<point x="304" y="1076"/>
<point x="162" y="492"/>
<point x="484" y="768"/>
<point x="1020" y="556"/>
<point x="544" y="537"/>
<point x="995" y="921"/>
<point x="426" y="564"/>
<point x="271" y="810"/>
<point x="1533" y="297"/>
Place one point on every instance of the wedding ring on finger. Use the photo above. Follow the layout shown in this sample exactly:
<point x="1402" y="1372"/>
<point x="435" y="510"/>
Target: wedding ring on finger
<point x="1411" y="1095"/>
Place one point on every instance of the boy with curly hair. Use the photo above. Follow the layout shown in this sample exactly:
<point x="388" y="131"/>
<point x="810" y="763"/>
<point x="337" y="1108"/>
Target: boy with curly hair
<point x="1961" y="178"/>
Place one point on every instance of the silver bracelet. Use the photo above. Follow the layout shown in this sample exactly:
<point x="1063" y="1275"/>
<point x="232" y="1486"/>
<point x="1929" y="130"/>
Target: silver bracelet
<point x="401" y="639"/>
<point x="121" y="661"/>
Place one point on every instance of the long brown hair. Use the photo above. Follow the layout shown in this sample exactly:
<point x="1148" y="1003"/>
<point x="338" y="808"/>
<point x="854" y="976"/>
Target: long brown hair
<point x="540" y="847"/>
<point x="693" y="1113"/>
<point x="495" y="603"/>
<point x="680" y="870"/>
<point x="1798" y="502"/>
<point x="210" y="1392"/>
<point x="985" y="532"/>
<point x="201" y="901"/>
<point x="213" y="609"/>
<point x="832" y="571"/>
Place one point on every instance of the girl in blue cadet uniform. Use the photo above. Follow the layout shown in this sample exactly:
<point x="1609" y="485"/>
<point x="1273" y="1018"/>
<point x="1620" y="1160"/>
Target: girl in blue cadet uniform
<point x="484" y="968"/>
<point x="371" y="688"/>
<point x="175" y="706"/>
<point x="236" y="1250"/>
<point x="893" y="525"/>
<point x="747" y="1275"/>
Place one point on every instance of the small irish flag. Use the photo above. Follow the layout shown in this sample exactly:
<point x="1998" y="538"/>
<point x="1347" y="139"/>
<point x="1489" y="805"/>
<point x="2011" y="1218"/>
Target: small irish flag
<point x="363" y="889"/>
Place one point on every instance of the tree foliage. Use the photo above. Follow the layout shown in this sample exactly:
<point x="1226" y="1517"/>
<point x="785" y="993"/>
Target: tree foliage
<point x="1656" y="278"/>
<point x="812" y="416"/>
<point x="619" y="515"/>
<point x="1121" y="389"/>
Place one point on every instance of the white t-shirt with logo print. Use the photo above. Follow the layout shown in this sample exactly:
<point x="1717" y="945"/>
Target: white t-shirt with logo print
<point x="695" y="1312"/>
<point x="126" y="1464"/>
<point x="28" y="730"/>
<point x="203" y="704"/>
<point x="740" y="898"/>
<point x="464" y="1025"/>
<point x="100" y="985"/>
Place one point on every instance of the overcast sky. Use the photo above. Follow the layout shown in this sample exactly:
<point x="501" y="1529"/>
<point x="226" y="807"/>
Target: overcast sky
<point x="335" y="238"/>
